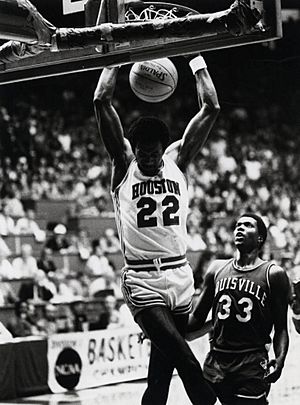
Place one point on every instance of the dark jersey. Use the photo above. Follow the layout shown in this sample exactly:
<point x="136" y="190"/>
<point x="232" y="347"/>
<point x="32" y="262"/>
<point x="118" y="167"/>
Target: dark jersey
<point x="241" y="310"/>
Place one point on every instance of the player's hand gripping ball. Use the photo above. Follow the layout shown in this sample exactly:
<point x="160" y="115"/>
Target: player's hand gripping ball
<point x="154" y="80"/>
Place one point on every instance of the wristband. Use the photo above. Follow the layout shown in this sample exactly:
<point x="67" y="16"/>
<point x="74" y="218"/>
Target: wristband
<point x="197" y="63"/>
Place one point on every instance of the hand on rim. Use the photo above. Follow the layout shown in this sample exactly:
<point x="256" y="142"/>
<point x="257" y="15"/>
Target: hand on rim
<point x="43" y="28"/>
<point x="241" y="18"/>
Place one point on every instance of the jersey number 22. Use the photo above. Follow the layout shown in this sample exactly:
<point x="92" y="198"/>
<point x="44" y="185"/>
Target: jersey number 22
<point x="146" y="216"/>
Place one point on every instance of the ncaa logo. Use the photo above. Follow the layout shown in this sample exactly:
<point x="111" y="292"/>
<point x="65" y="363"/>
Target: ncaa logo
<point x="68" y="368"/>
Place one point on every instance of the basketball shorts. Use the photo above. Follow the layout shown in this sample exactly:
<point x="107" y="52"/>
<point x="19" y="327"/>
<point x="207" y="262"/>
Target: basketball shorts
<point x="172" y="288"/>
<point x="234" y="375"/>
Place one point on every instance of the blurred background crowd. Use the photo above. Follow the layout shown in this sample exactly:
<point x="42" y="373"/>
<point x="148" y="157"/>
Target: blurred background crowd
<point x="50" y="149"/>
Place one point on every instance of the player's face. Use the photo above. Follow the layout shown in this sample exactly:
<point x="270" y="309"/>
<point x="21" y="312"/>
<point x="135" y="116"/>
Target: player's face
<point x="149" y="157"/>
<point x="246" y="237"/>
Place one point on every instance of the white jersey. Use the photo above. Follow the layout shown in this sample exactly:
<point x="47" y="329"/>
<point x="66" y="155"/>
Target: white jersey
<point x="151" y="212"/>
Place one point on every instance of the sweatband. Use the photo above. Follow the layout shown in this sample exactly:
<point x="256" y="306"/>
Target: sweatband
<point x="197" y="63"/>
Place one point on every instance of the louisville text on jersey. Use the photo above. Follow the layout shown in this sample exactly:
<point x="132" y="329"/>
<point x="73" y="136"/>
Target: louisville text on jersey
<point x="241" y="284"/>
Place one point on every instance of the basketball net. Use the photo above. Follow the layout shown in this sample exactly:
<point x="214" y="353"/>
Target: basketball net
<point x="151" y="13"/>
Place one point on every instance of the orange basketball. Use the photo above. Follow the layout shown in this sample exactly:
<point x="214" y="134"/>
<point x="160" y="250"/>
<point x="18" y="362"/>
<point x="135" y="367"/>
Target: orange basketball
<point x="154" y="80"/>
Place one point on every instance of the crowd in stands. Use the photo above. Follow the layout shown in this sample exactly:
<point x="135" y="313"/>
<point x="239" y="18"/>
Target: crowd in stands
<point x="51" y="150"/>
<point x="32" y="320"/>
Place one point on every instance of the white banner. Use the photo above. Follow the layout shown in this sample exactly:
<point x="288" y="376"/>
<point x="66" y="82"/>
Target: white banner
<point x="91" y="359"/>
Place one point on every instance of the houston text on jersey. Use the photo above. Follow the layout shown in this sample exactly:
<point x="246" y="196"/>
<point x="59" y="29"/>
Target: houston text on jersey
<point x="155" y="187"/>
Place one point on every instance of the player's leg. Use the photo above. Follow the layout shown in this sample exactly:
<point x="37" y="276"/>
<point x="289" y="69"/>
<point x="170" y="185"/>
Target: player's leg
<point x="158" y="324"/>
<point x="251" y="388"/>
<point x="160" y="370"/>
<point x="158" y="380"/>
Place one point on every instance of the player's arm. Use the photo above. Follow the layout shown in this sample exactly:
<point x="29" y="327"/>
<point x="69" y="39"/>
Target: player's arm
<point x="109" y="125"/>
<point x="198" y="129"/>
<point x="198" y="325"/>
<point x="295" y="305"/>
<point x="280" y="292"/>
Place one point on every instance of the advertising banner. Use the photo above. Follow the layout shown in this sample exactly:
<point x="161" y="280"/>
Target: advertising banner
<point x="91" y="359"/>
<point x="7" y="371"/>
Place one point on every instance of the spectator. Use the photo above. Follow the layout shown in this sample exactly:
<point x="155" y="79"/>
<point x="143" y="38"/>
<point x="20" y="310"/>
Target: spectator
<point x="194" y="239"/>
<point x="80" y="320"/>
<point x="7" y="294"/>
<point x="109" y="242"/>
<point x="98" y="264"/>
<point x="19" y="326"/>
<point x="110" y="317"/>
<point x="58" y="241"/>
<point x="25" y="265"/>
<point x="32" y="318"/>
<point x="80" y="285"/>
<point x="6" y="269"/>
<point x="30" y="290"/>
<point x="7" y="223"/>
<point x="48" y="324"/>
<point x="4" y="248"/>
<point x="46" y="262"/>
<point x="226" y="163"/>
<point x="28" y="226"/>
<point x="44" y="289"/>
<point x="253" y="166"/>
<point x="13" y="204"/>
<point x="98" y="286"/>
<point x="83" y="244"/>
<point x="62" y="291"/>
<point x="65" y="319"/>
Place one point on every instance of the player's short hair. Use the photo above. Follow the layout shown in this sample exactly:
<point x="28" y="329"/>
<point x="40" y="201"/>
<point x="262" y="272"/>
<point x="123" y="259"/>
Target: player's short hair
<point x="146" y="130"/>
<point x="261" y="227"/>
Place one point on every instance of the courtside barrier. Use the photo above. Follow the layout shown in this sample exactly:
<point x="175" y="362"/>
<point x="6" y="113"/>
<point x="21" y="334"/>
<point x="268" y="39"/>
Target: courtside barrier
<point x="91" y="359"/>
<point x="74" y="361"/>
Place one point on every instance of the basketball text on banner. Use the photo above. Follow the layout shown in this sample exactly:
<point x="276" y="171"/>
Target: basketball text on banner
<point x="90" y="359"/>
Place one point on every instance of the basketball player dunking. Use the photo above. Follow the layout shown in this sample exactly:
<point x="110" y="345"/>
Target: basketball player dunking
<point x="249" y="297"/>
<point x="150" y="196"/>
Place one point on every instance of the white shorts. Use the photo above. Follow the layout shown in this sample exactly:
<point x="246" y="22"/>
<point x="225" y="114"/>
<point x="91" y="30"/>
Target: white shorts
<point x="172" y="288"/>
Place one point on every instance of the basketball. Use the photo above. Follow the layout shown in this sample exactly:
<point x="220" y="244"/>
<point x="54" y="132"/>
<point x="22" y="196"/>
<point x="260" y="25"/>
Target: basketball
<point x="154" y="80"/>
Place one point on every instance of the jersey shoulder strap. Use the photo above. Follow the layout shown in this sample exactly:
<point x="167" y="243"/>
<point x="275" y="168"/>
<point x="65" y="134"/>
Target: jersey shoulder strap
<point x="219" y="265"/>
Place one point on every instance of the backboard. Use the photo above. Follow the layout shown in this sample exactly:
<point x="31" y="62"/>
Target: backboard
<point x="83" y="13"/>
